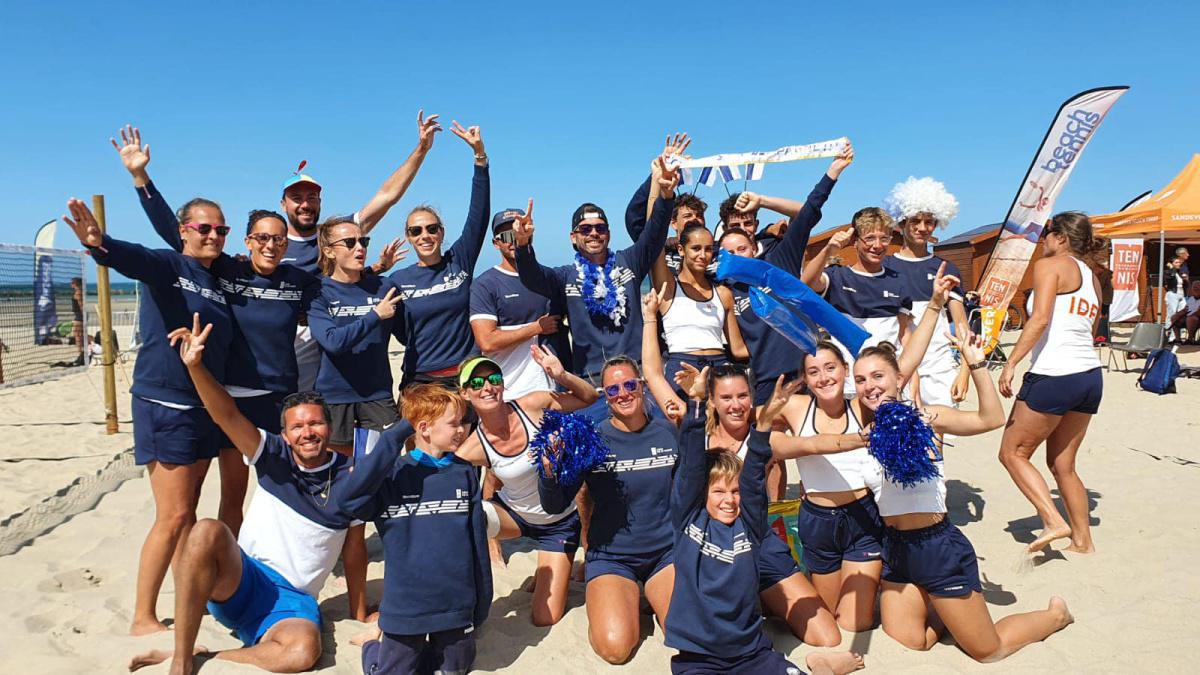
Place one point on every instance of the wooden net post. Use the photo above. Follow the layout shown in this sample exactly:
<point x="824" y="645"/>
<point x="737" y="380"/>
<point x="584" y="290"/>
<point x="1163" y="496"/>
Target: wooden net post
<point x="106" y="337"/>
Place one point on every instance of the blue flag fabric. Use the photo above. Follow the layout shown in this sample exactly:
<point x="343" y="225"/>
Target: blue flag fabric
<point x="788" y="305"/>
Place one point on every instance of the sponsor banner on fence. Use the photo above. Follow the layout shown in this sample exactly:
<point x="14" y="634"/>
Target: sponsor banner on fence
<point x="1126" y="266"/>
<point x="1072" y="129"/>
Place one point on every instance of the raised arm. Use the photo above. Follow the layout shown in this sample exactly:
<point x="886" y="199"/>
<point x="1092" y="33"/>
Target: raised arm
<point x="814" y="275"/>
<point x="470" y="242"/>
<point x="652" y="362"/>
<point x="136" y="157"/>
<point x="217" y="402"/>
<point x="479" y="542"/>
<point x="789" y="255"/>
<point x="359" y="494"/>
<point x="649" y="244"/>
<point x="336" y="339"/>
<point x="533" y="275"/>
<point x="688" y="488"/>
<point x="753" y="483"/>
<point x="575" y="394"/>
<point x="133" y="260"/>
<point x="396" y="185"/>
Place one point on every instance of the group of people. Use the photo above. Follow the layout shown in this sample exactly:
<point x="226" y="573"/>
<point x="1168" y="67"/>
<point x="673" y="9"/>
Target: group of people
<point x="277" y="358"/>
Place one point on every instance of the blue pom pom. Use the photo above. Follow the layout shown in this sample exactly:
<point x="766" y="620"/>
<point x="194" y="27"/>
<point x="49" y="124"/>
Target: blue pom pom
<point x="903" y="444"/>
<point x="579" y="446"/>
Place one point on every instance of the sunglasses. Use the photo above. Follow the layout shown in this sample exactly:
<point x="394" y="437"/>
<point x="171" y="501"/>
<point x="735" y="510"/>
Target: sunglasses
<point x="587" y="228"/>
<point x="614" y="390"/>
<point x="416" y="230"/>
<point x="205" y="228"/>
<point x="476" y="383"/>
<point x="350" y="242"/>
<point x="1047" y="230"/>
<point x="507" y="237"/>
<point x="262" y="238"/>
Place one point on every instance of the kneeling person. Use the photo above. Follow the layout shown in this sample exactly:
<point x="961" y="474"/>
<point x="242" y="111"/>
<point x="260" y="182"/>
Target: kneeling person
<point x="264" y="584"/>
<point x="437" y="585"/>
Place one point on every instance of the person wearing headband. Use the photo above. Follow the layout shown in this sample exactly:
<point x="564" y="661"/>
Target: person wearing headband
<point x="435" y="326"/>
<point x="508" y="319"/>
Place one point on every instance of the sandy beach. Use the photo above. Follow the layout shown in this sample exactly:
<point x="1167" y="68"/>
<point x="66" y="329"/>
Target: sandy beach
<point x="75" y="513"/>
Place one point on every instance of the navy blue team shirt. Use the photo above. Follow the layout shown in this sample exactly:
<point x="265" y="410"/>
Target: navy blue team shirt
<point x="714" y="604"/>
<point x="436" y="328"/>
<point x="430" y="516"/>
<point x="595" y="339"/>
<point x="174" y="286"/>
<point x="500" y="295"/>
<point x="631" y="490"/>
<point x="917" y="274"/>
<point x="354" y="340"/>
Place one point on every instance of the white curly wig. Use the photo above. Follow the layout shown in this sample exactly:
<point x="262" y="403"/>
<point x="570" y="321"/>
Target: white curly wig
<point x="921" y="195"/>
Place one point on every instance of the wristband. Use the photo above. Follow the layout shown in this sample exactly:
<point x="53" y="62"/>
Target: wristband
<point x="481" y="157"/>
<point x="936" y="309"/>
<point x="977" y="365"/>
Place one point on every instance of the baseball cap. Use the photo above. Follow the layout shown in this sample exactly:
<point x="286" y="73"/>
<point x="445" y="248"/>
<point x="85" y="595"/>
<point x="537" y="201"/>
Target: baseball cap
<point x="468" y="369"/>
<point x="297" y="178"/>
<point x="586" y="211"/>
<point x="504" y="217"/>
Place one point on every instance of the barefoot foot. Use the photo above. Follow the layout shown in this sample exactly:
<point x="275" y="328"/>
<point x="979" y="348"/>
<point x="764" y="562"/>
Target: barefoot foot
<point x="833" y="663"/>
<point x="146" y="627"/>
<point x="1081" y="547"/>
<point x="1059" y="607"/>
<point x="1048" y="535"/>
<point x="157" y="656"/>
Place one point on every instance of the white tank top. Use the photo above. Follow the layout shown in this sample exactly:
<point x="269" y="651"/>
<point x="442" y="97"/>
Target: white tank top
<point x="690" y="326"/>
<point x="894" y="499"/>
<point x="519" y="476"/>
<point x="837" y="472"/>
<point x="1066" y="347"/>
<point x="741" y="450"/>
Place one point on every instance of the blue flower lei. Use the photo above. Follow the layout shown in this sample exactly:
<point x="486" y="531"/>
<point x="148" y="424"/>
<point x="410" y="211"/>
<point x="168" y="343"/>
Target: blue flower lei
<point x="602" y="295"/>
<point x="580" y="446"/>
<point x="903" y="444"/>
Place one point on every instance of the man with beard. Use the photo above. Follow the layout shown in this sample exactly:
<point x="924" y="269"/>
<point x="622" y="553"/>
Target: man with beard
<point x="300" y="202"/>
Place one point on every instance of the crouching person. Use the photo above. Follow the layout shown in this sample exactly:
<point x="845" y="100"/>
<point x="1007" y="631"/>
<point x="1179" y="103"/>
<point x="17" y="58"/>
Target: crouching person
<point x="437" y="582"/>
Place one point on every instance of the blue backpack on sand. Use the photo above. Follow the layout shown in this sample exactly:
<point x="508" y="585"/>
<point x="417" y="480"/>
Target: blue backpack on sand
<point x="1159" y="373"/>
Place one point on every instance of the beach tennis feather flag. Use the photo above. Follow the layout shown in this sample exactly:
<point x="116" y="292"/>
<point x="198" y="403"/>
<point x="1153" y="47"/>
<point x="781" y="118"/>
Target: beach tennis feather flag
<point x="45" y="314"/>
<point x="789" y="306"/>
<point x="755" y="171"/>
<point x="1073" y="127"/>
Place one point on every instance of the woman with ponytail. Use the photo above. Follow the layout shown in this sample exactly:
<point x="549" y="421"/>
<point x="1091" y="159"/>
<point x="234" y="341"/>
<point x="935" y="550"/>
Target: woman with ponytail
<point x="927" y="561"/>
<point x="1062" y="389"/>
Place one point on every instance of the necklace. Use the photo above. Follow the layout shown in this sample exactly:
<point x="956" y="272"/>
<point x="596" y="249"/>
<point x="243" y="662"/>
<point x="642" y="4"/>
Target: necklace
<point x="324" y="494"/>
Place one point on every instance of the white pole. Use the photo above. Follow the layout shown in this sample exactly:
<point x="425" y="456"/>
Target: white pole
<point x="1162" y="279"/>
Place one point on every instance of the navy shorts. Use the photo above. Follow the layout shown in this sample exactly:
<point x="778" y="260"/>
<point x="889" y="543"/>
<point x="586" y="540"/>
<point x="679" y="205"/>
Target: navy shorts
<point x="170" y="436"/>
<point x="775" y="562"/>
<point x="263" y="598"/>
<point x="763" y="661"/>
<point x="831" y="535"/>
<point x="937" y="558"/>
<point x="561" y="536"/>
<point x="262" y="411"/>
<point x="634" y="567"/>
<point x="1061" y="394"/>
<point x="675" y="362"/>
<point x="450" y="652"/>
<point x="375" y="415"/>
<point x="765" y="386"/>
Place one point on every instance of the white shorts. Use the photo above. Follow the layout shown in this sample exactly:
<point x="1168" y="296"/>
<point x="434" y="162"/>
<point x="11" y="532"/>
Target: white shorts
<point x="935" y="387"/>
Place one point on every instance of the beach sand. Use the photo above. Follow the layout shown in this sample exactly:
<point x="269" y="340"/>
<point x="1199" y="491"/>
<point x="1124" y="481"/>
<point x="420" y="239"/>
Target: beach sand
<point x="69" y="594"/>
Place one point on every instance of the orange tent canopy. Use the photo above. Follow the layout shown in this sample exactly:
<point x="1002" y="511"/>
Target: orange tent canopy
<point x="1174" y="210"/>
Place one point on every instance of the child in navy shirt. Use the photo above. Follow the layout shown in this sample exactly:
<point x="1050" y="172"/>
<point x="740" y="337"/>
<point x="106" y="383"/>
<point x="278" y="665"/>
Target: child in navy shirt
<point x="437" y="586"/>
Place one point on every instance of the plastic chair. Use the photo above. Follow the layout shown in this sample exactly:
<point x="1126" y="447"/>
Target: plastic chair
<point x="1145" y="338"/>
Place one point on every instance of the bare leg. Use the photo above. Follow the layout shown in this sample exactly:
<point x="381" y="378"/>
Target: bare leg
<point x="354" y="564"/>
<point x="850" y="594"/>
<point x="968" y="620"/>
<point x="776" y="480"/>
<point x="907" y="617"/>
<point x="1061" y="448"/>
<point x="583" y="502"/>
<point x="833" y="663"/>
<point x="658" y="592"/>
<point x="290" y="646"/>
<point x="175" y="487"/>
<point x="551" y="580"/>
<point x="612" y="611"/>
<point x="796" y="601"/>
<point x="1025" y="431"/>
<point x="490" y="485"/>
<point x="234" y="477"/>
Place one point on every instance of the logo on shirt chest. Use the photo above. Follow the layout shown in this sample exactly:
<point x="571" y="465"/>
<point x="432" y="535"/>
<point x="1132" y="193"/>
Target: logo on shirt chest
<point x="889" y="294"/>
<point x="427" y="508"/>
<point x="849" y="290"/>
<point x="450" y="282"/>
<point x="185" y="284"/>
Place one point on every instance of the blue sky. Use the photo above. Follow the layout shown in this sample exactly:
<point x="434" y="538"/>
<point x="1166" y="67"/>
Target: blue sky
<point x="574" y="101"/>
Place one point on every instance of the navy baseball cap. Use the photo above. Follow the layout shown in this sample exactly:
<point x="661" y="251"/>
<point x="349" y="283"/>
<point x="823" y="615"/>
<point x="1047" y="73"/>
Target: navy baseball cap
<point x="504" y="217"/>
<point x="586" y="211"/>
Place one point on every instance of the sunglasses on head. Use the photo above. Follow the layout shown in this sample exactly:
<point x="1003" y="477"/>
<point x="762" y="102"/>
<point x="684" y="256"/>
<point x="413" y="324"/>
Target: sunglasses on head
<point x="1048" y="229"/>
<point x="417" y="230"/>
<point x="614" y="390"/>
<point x="262" y="238"/>
<point x="507" y="237"/>
<point x="476" y="383"/>
<point x="205" y="228"/>
<point x="350" y="242"/>
<point x="587" y="228"/>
